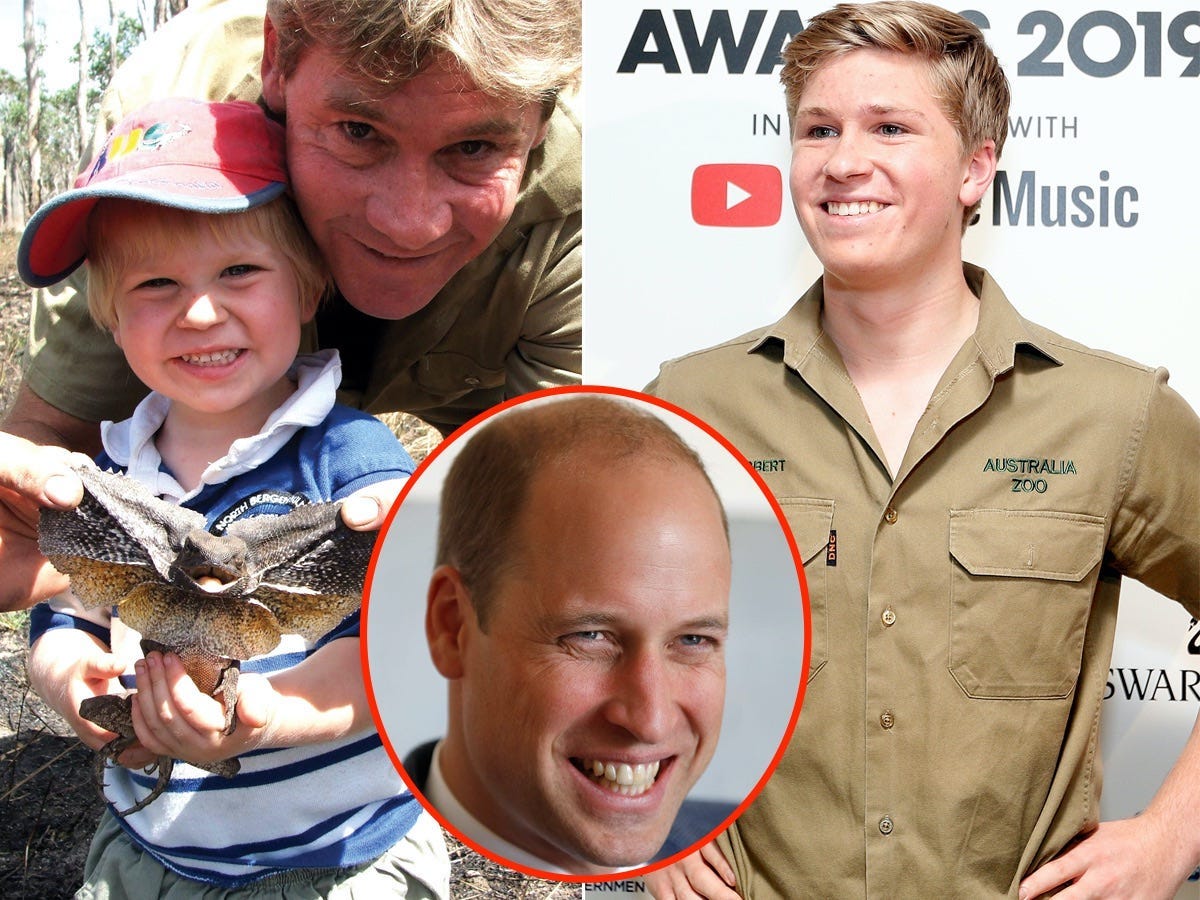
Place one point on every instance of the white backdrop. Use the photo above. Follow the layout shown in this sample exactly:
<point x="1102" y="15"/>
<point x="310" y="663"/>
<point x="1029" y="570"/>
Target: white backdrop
<point x="1106" y="109"/>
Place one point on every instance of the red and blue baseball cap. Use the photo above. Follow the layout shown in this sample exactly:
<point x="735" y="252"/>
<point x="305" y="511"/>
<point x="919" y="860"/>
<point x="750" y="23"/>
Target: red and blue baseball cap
<point x="202" y="156"/>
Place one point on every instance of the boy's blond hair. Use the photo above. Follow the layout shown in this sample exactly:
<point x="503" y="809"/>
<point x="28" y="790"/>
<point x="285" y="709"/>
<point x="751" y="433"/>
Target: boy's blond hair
<point x="964" y="74"/>
<point x="121" y="233"/>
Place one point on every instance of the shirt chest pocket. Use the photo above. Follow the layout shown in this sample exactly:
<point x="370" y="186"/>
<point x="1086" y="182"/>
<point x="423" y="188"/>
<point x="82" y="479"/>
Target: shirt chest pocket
<point x="1020" y="596"/>
<point x="811" y="522"/>
<point x="447" y="375"/>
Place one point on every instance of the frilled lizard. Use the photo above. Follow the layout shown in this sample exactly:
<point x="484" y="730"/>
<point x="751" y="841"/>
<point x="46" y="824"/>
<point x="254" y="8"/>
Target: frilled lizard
<point x="212" y="599"/>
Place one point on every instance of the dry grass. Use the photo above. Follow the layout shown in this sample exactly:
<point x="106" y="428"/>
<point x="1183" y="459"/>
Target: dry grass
<point x="48" y="804"/>
<point x="418" y="437"/>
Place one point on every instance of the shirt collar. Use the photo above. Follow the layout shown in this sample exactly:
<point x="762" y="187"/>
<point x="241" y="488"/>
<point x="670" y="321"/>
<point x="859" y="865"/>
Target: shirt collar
<point x="1000" y="333"/>
<point x="456" y="814"/>
<point x="130" y="443"/>
<point x="443" y="799"/>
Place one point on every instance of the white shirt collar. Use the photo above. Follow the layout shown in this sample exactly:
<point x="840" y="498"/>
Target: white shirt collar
<point x="130" y="443"/>
<point x="443" y="799"/>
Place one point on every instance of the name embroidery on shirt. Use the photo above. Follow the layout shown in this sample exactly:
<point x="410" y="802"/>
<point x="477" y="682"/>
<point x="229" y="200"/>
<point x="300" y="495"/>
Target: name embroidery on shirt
<point x="768" y="465"/>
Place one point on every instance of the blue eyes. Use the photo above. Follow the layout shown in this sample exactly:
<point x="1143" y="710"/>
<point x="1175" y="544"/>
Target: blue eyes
<point x="238" y="270"/>
<point x="361" y="132"/>
<point x="828" y="131"/>
<point x="593" y="639"/>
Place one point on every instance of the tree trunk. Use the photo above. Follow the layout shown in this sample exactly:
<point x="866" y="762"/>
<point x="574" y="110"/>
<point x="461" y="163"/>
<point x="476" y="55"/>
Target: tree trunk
<point x="81" y="90"/>
<point x="112" y="40"/>
<point x="33" y="84"/>
<point x="6" y="206"/>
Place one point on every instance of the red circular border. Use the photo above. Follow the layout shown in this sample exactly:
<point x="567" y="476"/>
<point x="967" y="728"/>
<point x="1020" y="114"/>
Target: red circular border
<point x="463" y="432"/>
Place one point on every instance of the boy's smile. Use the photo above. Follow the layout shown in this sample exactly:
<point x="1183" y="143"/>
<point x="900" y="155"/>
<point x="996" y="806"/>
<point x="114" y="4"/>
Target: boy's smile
<point x="213" y="327"/>
<point x="878" y="177"/>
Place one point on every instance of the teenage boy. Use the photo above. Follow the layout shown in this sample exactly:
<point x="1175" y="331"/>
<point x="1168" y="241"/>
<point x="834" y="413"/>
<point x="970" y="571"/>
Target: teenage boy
<point x="202" y="271"/>
<point x="948" y="744"/>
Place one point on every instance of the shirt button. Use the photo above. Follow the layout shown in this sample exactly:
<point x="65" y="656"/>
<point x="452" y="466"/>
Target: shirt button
<point x="887" y="719"/>
<point x="890" y="515"/>
<point x="886" y="825"/>
<point x="471" y="381"/>
<point x="889" y="617"/>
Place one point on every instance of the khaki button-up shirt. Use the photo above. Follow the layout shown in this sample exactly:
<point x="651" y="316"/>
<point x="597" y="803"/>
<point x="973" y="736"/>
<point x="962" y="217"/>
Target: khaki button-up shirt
<point x="963" y="611"/>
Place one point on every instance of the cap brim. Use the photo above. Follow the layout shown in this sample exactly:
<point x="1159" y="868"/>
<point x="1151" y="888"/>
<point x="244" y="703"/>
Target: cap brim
<point x="54" y="242"/>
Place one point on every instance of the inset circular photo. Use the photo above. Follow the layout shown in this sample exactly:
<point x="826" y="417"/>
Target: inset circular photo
<point x="585" y="633"/>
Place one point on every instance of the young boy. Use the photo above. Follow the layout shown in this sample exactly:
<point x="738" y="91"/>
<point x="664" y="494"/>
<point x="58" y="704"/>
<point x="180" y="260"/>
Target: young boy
<point x="199" y="266"/>
<point x="961" y="633"/>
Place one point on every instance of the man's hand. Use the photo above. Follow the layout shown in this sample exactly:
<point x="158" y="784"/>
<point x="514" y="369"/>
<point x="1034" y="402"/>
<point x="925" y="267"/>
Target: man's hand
<point x="33" y="474"/>
<point x="1147" y="857"/>
<point x="366" y="509"/>
<point x="1130" y="858"/>
<point x="172" y="717"/>
<point x="705" y="873"/>
<point x="31" y="477"/>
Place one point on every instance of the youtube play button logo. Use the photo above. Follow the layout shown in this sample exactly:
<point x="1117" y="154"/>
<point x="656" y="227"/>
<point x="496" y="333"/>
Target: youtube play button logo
<point x="737" y="195"/>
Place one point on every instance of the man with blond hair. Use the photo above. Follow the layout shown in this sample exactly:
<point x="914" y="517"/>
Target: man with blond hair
<point x="435" y="159"/>
<point x="961" y="632"/>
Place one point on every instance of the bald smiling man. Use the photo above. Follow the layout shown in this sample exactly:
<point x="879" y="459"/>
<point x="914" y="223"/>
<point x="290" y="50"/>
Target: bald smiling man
<point x="579" y="610"/>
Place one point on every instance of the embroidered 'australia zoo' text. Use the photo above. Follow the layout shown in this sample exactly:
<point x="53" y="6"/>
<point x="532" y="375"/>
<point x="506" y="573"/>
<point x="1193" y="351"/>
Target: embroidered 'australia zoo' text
<point x="1028" y="467"/>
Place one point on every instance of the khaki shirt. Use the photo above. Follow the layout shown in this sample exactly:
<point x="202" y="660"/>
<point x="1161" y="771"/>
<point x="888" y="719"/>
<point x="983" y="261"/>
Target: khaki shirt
<point x="963" y="612"/>
<point x="508" y="323"/>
